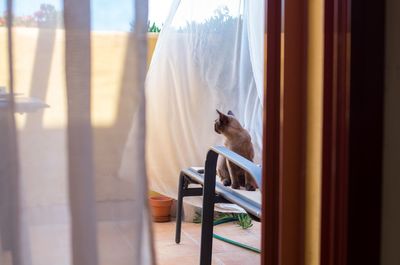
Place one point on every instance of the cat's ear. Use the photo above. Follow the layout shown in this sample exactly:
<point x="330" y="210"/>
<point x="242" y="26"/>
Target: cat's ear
<point x="231" y="113"/>
<point x="222" y="117"/>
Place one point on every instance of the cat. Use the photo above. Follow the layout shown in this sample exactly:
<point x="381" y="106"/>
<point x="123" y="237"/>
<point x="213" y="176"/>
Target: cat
<point x="238" y="140"/>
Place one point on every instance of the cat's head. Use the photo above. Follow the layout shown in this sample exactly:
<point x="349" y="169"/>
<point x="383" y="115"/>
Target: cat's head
<point x="226" y="124"/>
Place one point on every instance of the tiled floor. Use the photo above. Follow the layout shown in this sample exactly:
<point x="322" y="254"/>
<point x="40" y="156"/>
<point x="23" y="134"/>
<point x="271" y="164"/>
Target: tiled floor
<point x="187" y="252"/>
<point x="50" y="244"/>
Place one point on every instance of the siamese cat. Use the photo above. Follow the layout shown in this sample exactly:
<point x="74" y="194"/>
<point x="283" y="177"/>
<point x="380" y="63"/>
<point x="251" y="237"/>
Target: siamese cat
<point x="238" y="140"/>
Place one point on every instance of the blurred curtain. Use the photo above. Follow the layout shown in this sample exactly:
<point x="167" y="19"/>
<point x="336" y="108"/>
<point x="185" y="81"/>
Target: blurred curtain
<point x="209" y="56"/>
<point x="70" y="93"/>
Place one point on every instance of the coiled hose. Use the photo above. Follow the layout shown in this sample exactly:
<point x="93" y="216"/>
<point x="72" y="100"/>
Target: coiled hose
<point x="230" y="241"/>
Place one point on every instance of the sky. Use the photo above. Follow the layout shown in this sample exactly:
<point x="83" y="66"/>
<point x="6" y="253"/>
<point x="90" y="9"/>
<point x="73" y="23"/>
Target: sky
<point x="112" y="15"/>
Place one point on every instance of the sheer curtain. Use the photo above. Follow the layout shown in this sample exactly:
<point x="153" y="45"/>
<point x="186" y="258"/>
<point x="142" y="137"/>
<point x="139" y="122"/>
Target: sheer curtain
<point x="209" y="56"/>
<point x="78" y="90"/>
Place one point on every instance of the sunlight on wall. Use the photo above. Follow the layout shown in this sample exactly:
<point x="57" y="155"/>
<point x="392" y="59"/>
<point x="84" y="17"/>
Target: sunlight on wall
<point x="56" y="115"/>
<point x="109" y="50"/>
<point x="23" y="62"/>
<point x="3" y="59"/>
<point x="39" y="72"/>
<point x="25" y="42"/>
<point x="151" y="45"/>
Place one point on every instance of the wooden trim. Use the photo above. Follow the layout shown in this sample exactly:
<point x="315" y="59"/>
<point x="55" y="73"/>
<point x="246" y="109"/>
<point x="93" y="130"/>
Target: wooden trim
<point x="284" y="134"/>
<point x="271" y="213"/>
<point x="335" y="133"/>
<point x="293" y="132"/>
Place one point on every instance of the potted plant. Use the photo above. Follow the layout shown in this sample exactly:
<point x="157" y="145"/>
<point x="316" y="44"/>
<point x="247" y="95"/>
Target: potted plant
<point x="160" y="208"/>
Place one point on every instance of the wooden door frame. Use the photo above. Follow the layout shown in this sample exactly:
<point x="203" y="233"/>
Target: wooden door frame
<point x="284" y="133"/>
<point x="352" y="132"/>
<point x="270" y="224"/>
<point x="352" y="127"/>
<point x="335" y="132"/>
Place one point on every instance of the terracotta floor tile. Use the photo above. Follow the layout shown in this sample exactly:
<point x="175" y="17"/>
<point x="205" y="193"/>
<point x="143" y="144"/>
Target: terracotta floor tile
<point x="113" y="247"/>
<point x="184" y="260"/>
<point x="50" y="244"/>
<point x="223" y="253"/>
<point x="238" y="258"/>
<point x="251" y="236"/>
<point x="5" y="257"/>
<point x="171" y="249"/>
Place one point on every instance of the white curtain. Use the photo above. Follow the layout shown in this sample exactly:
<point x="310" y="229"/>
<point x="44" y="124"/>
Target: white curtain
<point x="79" y="91"/>
<point x="209" y="56"/>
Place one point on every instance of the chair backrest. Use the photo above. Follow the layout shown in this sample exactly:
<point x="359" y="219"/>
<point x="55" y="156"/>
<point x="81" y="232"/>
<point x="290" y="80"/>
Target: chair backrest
<point x="243" y="163"/>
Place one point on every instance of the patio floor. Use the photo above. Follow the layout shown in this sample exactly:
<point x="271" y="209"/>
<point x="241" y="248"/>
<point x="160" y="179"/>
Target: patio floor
<point x="187" y="252"/>
<point x="50" y="244"/>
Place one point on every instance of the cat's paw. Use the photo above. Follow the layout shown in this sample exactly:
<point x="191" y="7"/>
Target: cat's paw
<point x="226" y="182"/>
<point x="242" y="181"/>
<point x="250" y="187"/>
<point x="235" y="186"/>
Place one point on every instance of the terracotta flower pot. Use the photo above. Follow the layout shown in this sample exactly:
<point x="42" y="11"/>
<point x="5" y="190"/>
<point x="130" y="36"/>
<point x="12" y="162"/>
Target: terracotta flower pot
<point x="160" y="208"/>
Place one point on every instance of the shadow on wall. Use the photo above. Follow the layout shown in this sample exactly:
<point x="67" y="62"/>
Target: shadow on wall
<point x="39" y="72"/>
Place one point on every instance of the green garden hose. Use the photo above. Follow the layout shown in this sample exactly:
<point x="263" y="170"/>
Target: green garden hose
<point x="232" y="242"/>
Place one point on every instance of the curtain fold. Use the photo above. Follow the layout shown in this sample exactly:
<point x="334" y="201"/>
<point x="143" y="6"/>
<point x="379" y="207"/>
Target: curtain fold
<point x="69" y="95"/>
<point x="255" y="12"/>
<point x="80" y="146"/>
<point x="11" y="218"/>
<point x="208" y="56"/>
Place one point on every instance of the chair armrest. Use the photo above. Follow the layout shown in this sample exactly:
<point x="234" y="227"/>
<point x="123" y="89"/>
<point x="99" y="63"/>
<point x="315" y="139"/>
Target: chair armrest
<point x="243" y="163"/>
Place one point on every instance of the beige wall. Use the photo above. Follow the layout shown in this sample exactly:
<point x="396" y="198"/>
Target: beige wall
<point x="391" y="162"/>
<point x="39" y="72"/>
<point x="151" y="45"/>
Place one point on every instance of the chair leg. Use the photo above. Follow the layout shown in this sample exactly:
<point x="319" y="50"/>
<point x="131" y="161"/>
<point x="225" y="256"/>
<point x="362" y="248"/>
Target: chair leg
<point x="179" y="209"/>
<point x="208" y="209"/>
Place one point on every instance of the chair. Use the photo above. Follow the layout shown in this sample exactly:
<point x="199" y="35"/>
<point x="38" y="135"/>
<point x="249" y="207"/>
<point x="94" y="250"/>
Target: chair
<point x="214" y="192"/>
